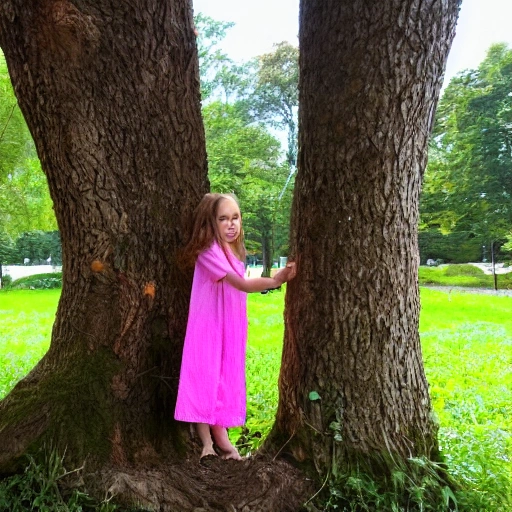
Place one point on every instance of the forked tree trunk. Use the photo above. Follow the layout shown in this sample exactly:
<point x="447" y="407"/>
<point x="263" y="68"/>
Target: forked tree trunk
<point x="110" y="91"/>
<point x="370" y="77"/>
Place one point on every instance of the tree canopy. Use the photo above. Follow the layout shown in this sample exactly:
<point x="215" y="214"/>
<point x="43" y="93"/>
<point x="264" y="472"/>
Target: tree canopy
<point x="468" y="182"/>
<point x="25" y="203"/>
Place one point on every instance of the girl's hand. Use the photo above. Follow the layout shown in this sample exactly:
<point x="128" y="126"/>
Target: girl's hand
<point x="287" y="273"/>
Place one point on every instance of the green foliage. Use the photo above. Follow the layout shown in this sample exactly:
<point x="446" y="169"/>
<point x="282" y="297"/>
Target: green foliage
<point x="454" y="247"/>
<point x="38" y="281"/>
<point x="38" y="246"/>
<point x="13" y="131"/>
<point x="413" y="485"/>
<point x="6" y="249"/>
<point x="6" y="281"/>
<point x="507" y="246"/>
<point x="468" y="182"/>
<point x="237" y="149"/>
<point x="276" y="96"/>
<point x="46" y="486"/>
<point x="211" y="59"/>
<point x="244" y="159"/>
<point x="25" y="202"/>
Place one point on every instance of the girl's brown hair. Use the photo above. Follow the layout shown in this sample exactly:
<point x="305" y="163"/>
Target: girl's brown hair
<point x="204" y="230"/>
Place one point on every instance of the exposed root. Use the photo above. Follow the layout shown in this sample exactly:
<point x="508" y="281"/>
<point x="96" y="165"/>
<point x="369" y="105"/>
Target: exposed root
<point x="250" y="485"/>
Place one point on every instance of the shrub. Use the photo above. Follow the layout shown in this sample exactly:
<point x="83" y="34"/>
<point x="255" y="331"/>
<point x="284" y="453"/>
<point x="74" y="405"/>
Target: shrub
<point x="6" y="281"/>
<point x="39" y="281"/>
<point x="463" y="270"/>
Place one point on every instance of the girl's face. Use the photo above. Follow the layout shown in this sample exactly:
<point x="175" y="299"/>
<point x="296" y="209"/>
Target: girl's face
<point x="229" y="220"/>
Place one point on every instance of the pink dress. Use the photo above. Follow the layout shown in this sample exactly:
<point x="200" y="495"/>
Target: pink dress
<point x="212" y="378"/>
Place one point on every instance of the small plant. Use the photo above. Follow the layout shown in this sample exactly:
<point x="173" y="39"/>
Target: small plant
<point x="412" y="485"/>
<point x="46" y="486"/>
<point x="6" y="281"/>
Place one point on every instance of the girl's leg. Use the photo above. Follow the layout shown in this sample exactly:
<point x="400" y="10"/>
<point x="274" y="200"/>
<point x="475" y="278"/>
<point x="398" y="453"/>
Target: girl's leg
<point x="220" y="436"/>
<point x="203" y="431"/>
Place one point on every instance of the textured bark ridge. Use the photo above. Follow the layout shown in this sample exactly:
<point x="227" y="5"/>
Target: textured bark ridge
<point x="370" y="77"/>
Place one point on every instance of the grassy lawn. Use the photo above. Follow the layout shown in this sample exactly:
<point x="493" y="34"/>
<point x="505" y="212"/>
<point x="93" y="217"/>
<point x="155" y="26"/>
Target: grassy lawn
<point x="26" y="320"/>
<point x="467" y="349"/>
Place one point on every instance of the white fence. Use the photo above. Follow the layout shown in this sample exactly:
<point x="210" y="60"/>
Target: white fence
<point x="18" y="271"/>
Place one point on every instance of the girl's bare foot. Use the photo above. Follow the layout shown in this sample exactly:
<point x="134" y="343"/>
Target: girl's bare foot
<point x="208" y="454"/>
<point x="225" y="448"/>
<point x="208" y="450"/>
<point x="232" y="454"/>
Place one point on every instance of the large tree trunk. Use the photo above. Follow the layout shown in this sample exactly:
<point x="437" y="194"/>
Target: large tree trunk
<point x="110" y="92"/>
<point x="370" y="76"/>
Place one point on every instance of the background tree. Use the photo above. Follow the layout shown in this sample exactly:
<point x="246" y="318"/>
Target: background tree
<point x="244" y="158"/>
<point x="25" y="202"/>
<point x="276" y="96"/>
<point x="242" y="99"/>
<point x="353" y="394"/>
<point x="468" y="185"/>
<point x="212" y="59"/>
<point x="275" y="100"/>
<point x="40" y="247"/>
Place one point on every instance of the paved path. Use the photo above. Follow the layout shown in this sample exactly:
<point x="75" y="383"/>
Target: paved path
<point x="464" y="289"/>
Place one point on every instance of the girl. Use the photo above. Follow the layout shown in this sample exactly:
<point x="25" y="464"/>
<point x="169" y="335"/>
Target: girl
<point x="211" y="390"/>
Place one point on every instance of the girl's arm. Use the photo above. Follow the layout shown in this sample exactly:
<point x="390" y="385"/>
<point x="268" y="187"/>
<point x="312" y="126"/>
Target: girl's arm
<point x="258" y="284"/>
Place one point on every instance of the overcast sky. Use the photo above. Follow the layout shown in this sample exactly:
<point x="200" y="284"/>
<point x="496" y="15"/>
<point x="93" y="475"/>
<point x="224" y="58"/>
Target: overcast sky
<point x="258" y="25"/>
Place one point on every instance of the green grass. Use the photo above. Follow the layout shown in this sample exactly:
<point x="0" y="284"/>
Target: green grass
<point x="26" y="320"/>
<point x="467" y="349"/>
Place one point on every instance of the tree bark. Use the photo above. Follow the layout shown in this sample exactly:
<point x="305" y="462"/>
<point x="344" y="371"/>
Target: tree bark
<point x="110" y="92"/>
<point x="352" y="382"/>
<point x="267" y="252"/>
